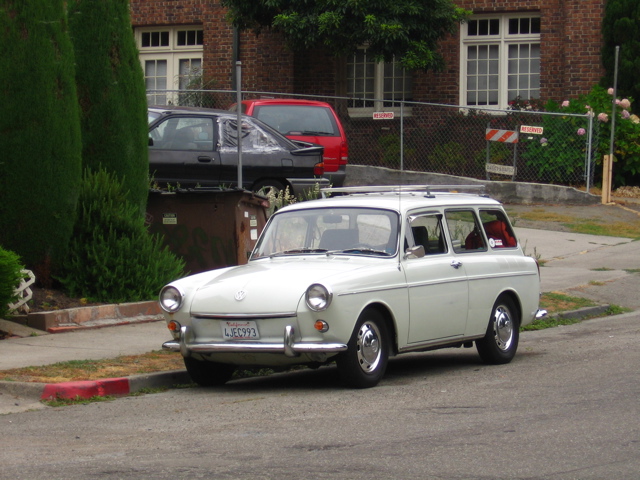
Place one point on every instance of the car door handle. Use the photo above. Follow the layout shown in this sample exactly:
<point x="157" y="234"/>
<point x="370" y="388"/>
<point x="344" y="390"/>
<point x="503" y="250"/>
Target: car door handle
<point x="204" y="159"/>
<point x="456" y="263"/>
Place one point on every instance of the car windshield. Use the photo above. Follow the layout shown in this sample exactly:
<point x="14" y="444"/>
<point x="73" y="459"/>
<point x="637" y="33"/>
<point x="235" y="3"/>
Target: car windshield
<point x="322" y="231"/>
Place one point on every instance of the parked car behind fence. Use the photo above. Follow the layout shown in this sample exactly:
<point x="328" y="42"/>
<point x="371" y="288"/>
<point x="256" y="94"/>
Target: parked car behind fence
<point x="198" y="147"/>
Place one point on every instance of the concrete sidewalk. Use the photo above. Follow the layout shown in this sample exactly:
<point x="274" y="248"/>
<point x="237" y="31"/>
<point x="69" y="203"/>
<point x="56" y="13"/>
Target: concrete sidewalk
<point x="597" y="267"/>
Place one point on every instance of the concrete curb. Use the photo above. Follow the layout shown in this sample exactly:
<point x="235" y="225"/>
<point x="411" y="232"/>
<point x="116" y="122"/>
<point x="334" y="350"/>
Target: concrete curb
<point x="595" y="311"/>
<point x="95" y="388"/>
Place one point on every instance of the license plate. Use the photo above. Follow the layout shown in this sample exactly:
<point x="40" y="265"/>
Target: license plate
<point x="243" y="330"/>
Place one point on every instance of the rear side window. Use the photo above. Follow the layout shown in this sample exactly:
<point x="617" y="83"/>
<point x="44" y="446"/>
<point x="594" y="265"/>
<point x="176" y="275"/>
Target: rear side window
<point x="497" y="229"/>
<point x="465" y="231"/>
<point x="298" y="119"/>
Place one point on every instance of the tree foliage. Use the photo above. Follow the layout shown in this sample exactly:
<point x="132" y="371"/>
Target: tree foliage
<point x="111" y="93"/>
<point x="621" y="26"/>
<point x="408" y="29"/>
<point x="40" y="144"/>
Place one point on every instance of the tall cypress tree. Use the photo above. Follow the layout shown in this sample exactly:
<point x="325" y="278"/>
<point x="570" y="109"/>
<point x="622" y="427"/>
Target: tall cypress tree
<point x="40" y="145"/>
<point x="621" y="26"/>
<point x="111" y="92"/>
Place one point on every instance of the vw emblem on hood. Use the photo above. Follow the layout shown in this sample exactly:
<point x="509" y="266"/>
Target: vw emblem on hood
<point x="240" y="294"/>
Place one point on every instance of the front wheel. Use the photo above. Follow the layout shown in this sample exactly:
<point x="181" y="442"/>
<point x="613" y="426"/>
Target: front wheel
<point x="500" y="342"/>
<point x="208" y="374"/>
<point x="365" y="361"/>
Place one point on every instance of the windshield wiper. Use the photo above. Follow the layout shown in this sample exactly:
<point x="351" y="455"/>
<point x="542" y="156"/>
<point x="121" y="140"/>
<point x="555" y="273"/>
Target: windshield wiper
<point x="297" y="251"/>
<point x="313" y="132"/>
<point x="366" y="251"/>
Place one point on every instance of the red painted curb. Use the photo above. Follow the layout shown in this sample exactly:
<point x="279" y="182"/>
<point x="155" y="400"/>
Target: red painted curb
<point x="86" y="389"/>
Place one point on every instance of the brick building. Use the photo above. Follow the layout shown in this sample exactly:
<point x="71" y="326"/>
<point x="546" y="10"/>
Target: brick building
<point x="548" y="49"/>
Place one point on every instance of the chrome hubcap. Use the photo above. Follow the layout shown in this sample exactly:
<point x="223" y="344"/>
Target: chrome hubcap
<point x="368" y="347"/>
<point x="503" y="328"/>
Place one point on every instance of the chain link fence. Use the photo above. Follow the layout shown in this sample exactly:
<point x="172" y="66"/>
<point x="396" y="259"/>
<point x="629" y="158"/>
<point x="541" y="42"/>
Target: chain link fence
<point x="518" y="145"/>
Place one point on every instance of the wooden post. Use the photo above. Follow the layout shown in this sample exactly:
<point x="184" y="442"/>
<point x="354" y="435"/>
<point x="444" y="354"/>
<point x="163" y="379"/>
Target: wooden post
<point x="607" y="170"/>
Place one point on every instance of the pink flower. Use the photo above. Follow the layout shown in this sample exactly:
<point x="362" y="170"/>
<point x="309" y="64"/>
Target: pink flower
<point x="618" y="101"/>
<point x="581" y="131"/>
<point x="603" y="117"/>
<point x="565" y="103"/>
<point x="625" y="103"/>
<point x="625" y="114"/>
<point x="543" y="142"/>
<point x="610" y="91"/>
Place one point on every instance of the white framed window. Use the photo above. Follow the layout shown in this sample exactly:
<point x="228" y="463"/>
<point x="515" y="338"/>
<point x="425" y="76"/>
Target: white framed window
<point x="171" y="59"/>
<point x="376" y="86"/>
<point x="500" y="60"/>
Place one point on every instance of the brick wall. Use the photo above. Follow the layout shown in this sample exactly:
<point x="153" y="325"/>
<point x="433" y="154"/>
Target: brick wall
<point x="570" y="48"/>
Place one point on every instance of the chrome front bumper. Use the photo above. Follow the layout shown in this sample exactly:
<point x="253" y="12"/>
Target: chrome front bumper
<point x="288" y="347"/>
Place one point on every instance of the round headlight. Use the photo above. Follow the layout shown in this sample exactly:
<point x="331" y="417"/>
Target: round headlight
<point x="171" y="299"/>
<point x="318" y="297"/>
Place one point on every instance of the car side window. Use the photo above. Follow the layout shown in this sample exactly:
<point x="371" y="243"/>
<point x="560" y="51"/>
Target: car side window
<point x="426" y="230"/>
<point x="184" y="133"/>
<point x="497" y="229"/>
<point x="465" y="231"/>
<point x="253" y="137"/>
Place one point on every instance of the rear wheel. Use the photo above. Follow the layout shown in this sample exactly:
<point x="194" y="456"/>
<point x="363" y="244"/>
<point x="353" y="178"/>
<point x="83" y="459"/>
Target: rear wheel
<point x="365" y="361"/>
<point x="500" y="342"/>
<point x="264" y="187"/>
<point x="208" y="374"/>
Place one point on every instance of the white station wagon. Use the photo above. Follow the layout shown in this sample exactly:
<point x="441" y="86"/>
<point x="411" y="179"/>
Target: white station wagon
<point x="355" y="279"/>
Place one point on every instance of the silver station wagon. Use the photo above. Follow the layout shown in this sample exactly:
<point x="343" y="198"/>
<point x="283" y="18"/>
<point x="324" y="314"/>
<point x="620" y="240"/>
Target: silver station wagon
<point x="358" y="278"/>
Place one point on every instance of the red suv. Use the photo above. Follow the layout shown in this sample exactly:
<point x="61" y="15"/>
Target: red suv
<point x="309" y="121"/>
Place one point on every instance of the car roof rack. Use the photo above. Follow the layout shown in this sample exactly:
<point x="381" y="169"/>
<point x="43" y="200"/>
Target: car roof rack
<point x="427" y="189"/>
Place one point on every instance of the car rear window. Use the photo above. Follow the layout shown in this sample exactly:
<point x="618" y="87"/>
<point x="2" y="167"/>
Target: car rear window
<point x="298" y="119"/>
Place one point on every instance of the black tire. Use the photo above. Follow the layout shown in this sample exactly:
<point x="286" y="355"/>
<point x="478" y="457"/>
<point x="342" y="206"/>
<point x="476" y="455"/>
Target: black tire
<point x="263" y="187"/>
<point x="364" y="363"/>
<point x="500" y="342"/>
<point x="208" y="374"/>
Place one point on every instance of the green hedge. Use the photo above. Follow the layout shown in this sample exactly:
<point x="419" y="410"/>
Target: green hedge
<point x="40" y="145"/>
<point x="111" y="92"/>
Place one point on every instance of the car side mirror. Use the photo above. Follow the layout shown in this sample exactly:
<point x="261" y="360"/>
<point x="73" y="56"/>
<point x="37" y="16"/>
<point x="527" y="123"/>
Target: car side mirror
<point x="415" y="252"/>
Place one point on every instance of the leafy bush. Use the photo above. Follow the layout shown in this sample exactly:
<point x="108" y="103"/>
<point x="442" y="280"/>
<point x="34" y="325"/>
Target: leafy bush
<point x="112" y="256"/>
<point x="564" y="145"/>
<point x="10" y="276"/>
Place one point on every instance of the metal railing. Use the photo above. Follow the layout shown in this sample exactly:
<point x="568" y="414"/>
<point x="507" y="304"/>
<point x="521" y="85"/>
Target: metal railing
<point x="449" y="139"/>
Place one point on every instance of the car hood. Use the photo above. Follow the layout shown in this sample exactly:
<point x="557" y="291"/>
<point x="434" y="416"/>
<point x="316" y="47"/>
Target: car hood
<point x="271" y="286"/>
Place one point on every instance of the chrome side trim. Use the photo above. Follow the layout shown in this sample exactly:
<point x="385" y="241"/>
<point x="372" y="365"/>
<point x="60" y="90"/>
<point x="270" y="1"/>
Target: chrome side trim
<point x="372" y="290"/>
<point x="288" y="347"/>
<point x="438" y="344"/>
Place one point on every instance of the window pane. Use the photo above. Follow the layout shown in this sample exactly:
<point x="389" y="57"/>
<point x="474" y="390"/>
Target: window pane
<point x="535" y="25"/>
<point x="483" y="27"/>
<point x="513" y="26"/>
<point x="472" y="28"/>
<point x="494" y="27"/>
